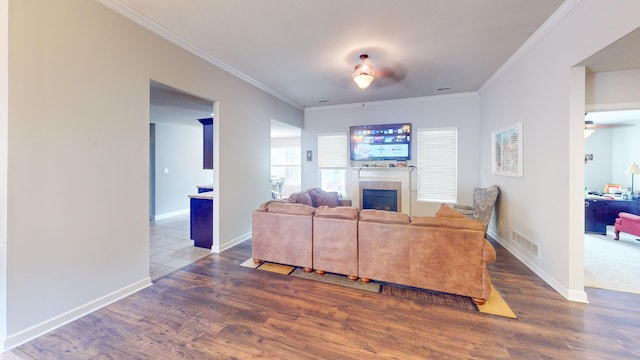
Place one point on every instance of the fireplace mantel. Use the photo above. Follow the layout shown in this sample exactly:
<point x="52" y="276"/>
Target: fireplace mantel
<point x="383" y="178"/>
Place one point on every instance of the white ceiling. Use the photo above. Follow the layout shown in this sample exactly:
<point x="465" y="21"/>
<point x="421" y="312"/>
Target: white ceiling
<point x="304" y="51"/>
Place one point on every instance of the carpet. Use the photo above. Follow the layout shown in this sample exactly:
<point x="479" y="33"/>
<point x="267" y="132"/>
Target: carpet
<point x="610" y="264"/>
<point x="495" y="305"/>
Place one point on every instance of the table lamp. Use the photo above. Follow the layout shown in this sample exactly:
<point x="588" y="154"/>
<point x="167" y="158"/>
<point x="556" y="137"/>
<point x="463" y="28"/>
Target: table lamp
<point x="633" y="169"/>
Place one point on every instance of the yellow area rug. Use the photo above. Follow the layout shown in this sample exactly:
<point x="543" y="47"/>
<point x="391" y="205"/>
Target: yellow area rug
<point x="495" y="305"/>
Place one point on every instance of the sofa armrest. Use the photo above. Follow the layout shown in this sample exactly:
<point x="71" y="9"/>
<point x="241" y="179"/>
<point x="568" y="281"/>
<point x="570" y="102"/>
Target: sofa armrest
<point x="488" y="252"/>
<point x="629" y="217"/>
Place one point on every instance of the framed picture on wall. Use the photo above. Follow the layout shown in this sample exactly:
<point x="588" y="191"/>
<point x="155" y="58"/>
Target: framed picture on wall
<point x="506" y="152"/>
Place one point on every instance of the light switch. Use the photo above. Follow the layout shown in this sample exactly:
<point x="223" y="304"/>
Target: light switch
<point x="166" y="171"/>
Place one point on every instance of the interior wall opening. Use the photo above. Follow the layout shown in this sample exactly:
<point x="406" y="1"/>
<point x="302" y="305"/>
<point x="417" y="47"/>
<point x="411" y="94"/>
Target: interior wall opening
<point x="177" y="172"/>
<point x="286" y="159"/>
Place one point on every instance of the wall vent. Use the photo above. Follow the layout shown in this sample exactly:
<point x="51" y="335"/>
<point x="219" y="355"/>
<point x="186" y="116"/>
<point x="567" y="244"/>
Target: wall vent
<point x="524" y="243"/>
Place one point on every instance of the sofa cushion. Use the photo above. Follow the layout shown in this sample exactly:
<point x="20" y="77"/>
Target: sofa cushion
<point x="338" y="212"/>
<point x="448" y="222"/>
<point x="320" y="197"/>
<point x="290" y="208"/>
<point x="265" y="205"/>
<point x="446" y="211"/>
<point x="383" y="216"/>
<point x="301" y="198"/>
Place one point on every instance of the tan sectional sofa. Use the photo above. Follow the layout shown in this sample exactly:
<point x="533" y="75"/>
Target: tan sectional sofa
<point x="283" y="229"/>
<point x="446" y="253"/>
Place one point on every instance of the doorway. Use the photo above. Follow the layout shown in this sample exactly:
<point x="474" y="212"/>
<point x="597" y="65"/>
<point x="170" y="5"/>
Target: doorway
<point x="175" y="172"/>
<point x="610" y="264"/>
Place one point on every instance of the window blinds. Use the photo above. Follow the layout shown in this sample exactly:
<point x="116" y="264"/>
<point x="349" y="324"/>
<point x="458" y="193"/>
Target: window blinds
<point x="332" y="150"/>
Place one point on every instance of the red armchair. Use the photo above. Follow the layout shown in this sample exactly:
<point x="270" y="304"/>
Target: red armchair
<point x="628" y="223"/>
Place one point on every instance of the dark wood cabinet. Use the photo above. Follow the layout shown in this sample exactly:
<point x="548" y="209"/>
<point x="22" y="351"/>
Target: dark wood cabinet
<point x="202" y="221"/>
<point x="207" y="143"/>
<point x="600" y="213"/>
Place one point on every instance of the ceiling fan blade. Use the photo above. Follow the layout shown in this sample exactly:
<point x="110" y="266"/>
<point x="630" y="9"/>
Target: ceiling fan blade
<point x="591" y="125"/>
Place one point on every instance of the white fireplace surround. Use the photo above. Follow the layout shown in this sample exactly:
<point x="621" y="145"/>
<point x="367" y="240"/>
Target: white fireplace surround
<point x="385" y="178"/>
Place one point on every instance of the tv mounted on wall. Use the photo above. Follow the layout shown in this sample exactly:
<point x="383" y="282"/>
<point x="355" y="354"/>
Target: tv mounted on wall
<point x="389" y="142"/>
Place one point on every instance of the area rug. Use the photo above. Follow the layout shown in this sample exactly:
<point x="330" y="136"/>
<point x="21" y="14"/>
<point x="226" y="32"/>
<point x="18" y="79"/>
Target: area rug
<point x="495" y="305"/>
<point x="612" y="264"/>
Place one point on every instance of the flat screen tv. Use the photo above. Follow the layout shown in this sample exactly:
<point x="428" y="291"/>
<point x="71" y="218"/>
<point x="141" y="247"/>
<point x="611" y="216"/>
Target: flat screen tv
<point x="388" y="142"/>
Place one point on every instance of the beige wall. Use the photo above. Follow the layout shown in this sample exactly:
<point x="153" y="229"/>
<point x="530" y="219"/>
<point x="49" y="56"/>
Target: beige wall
<point x="78" y="157"/>
<point x="540" y="88"/>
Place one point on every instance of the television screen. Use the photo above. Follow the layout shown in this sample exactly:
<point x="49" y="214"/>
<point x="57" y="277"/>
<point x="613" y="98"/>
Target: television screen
<point x="380" y="142"/>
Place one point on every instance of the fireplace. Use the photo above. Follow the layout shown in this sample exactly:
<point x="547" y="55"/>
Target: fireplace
<point x="381" y="195"/>
<point x="379" y="199"/>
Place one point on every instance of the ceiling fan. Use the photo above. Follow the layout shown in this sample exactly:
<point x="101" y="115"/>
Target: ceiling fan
<point x="590" y="125"/>
<point x="387" y="71"/>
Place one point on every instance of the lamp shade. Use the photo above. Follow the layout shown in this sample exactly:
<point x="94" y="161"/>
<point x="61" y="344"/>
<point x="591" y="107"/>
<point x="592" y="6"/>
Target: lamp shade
<point x="633" y="169"/>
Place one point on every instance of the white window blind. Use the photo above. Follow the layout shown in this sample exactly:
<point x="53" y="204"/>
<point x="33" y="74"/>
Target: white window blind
<point x="332" y="162"/>
<point x="437" y="164"/>
<point x="332" y="150"/>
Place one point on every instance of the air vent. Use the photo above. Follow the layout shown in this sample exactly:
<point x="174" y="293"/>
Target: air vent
<point x="525" y="244"/>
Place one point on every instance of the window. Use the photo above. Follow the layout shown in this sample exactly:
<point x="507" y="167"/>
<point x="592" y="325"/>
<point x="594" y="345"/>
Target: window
<point x="332" y="162"/>
<point x="285" y="162"/>
<point x="438" y="165"/>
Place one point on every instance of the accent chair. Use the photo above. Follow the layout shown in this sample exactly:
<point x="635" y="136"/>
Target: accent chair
<point x="484" y="200"/>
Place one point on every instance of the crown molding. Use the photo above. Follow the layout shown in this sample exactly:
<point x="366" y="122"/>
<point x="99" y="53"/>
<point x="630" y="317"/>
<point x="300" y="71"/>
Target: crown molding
<point x="138" y="18"/>
<point x="565" y="8"/>
<point x="390" y="102"/>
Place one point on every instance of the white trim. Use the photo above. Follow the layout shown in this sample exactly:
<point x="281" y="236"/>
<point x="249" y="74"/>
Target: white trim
<point x="228" y="245"/>
<point x="4" y="165"/>
<point x="571" y="295"/>
<point x="135" y="16"/>
<point x="565" y="8"/>
<point x="170" y="214"/>
<point x="74" y="314"/>
<point x="390" y="102"/>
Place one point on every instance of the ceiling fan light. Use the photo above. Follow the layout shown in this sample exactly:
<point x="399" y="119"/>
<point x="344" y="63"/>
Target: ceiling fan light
<point x="363" y="80"/>
<point x="363" y="73"/>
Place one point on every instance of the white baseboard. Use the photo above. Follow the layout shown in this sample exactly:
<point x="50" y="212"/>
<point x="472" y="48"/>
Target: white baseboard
<point x="168" y="215"/>
<point x="46" y="326"/>
<point x="229" y="244"/>
<point x="569" y="294"/>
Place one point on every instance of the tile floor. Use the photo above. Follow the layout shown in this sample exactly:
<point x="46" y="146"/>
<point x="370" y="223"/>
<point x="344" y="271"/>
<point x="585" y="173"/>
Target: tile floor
<point x="170" y="246"/>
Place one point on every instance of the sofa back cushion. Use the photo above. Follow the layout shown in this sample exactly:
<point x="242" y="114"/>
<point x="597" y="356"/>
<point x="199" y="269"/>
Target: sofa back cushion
<point x="448" y="222"/>
<point x="265" y="205"/>
<point x="290" y="208"/>
<point x="338" y="212"/>
<point x="383" y="216"/>
<point x="446" y="211"/>
<point x="301" y="198"/>
<point x="320" y="197"/>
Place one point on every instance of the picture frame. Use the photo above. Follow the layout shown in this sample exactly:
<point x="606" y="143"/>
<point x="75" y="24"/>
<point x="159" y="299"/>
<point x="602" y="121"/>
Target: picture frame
<point x="309" y="155"/>
<point x="506" y="153"/>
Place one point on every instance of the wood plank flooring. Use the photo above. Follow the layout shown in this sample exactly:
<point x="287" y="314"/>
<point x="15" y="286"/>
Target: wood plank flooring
<point x="216" y="309"/>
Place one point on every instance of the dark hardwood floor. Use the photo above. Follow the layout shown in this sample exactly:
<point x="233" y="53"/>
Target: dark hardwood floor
<point x="215" y="309"/>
